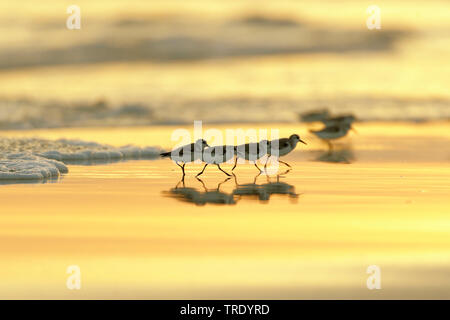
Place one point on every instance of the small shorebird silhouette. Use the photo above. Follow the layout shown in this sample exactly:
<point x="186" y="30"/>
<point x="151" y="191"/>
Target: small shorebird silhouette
<point x="251" y="152"/>
<point x="332" y="132"/>
<point x="217" y="155"/>
<point x="339" y="120"/>
<point x="187" y="153"/>
<point x="282" y="147"/>
<point x="312" y="116"/>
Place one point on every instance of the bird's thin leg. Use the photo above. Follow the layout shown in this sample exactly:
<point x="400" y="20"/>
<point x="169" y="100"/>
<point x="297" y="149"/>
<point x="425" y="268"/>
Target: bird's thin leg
<point x="330" y="146"/>
<point x="235" y="163"/>
<point x="223" y="170"/>
<point x="254" y="180"/>
<point x="202" y="170"/>
<point x="235" y="179"/>
<point x="267" y="160"/>
<point x="284" y="163"/>
<point x="258" y="168"/>
<point x="218" y="186"/>
<point x="285" y="172"/>
<point x="182" y="168"/>
<point x="181" y="181"/>
<point x="203" y="184"/>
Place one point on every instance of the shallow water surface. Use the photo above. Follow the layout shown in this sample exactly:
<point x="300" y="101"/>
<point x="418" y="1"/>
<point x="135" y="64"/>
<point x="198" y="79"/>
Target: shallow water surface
<point x="137" y="232"/>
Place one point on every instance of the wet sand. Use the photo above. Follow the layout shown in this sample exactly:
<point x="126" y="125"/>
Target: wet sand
<point x="380" y="199"/>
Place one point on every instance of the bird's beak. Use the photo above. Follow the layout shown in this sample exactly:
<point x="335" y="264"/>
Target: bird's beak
<point x="354" y="130"/>
<point x="207" y="145"/>
<point x="302" y="141"/>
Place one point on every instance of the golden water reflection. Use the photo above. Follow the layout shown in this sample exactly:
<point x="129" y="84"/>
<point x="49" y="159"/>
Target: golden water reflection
<point x="261" y="192"/>
<point x="344" y="155"/>
<point x="389" y="208"/>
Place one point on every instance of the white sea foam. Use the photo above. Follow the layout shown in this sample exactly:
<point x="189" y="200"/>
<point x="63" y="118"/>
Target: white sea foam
<point x="25" y="166"/>
<point x="40" y="159"/>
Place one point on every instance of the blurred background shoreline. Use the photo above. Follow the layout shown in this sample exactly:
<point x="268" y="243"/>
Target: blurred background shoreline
<point x="165" y="62"/>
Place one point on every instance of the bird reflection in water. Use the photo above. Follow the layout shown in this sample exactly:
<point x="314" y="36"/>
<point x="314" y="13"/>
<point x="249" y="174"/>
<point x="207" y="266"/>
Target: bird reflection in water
<point x="261" y="192"/>
<point x="217" y="196"/>
<point x="264" y="191"/>
<point x="185" y="194"/>
<point x="344" y="155"/>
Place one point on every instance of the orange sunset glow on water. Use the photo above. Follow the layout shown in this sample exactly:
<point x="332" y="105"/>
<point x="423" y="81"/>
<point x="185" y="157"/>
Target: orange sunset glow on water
<point x="131" y="239"/>
<point x="93" y="108"/>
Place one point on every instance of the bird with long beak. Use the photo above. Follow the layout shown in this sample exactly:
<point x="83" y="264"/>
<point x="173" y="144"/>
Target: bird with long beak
<point x="187" y="153"/>
<point x="333" y="132"/>
<point x="281" y="147"/>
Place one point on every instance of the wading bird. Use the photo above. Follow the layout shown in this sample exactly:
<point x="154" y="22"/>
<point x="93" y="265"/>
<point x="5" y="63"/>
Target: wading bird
<point x="187" y="153"/>
<point x="251" y="152"/>
<point x="282" y="147"/>
<point x="316" y="115"/>
<point x="332" y="132"/>
<point x="217" y="155"/>
<point x="339" y="120"/>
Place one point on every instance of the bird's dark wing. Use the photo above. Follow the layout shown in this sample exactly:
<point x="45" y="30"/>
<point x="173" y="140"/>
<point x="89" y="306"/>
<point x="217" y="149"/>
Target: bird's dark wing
<point x="331" y="129"/>
<point x="284" y="143"/>
<point x="188" y="148"/>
